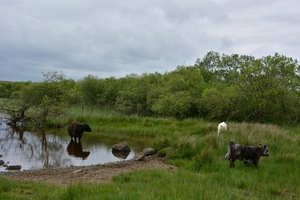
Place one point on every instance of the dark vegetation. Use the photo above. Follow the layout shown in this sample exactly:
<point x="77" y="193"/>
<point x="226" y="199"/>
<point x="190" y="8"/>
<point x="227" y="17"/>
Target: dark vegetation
<point x="217" y="87"/>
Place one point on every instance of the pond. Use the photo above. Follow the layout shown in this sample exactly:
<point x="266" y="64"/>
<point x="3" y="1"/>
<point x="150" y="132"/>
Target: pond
<point x="52" y="148"/>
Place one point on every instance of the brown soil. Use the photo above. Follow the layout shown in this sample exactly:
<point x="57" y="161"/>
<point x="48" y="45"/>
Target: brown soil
<point x="86" y="174"/>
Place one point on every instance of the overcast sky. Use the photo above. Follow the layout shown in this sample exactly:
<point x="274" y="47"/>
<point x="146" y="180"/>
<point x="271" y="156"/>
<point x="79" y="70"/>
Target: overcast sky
<point x="107" y="38"/>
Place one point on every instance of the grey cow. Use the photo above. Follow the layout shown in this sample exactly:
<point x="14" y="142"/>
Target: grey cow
<point x="247" y="154"/>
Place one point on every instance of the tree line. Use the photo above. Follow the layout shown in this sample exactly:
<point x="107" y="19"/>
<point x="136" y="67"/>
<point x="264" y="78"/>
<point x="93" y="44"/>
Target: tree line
<point x="217" y="87"/>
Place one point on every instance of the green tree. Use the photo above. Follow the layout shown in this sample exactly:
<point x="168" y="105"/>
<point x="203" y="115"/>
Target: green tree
<point x="3" y="91"/>
<point x="264" y="89"/>
<point x="48" y="99"/>
<point x="267" y="84"/>
<point x="223" y="103"/>
<point x="90" y="89"/>
<point x="177" y="104"/>
<point x="129" y="97"/>
<point x="183" y="88"/>
<point x="111" y="88"/>
<point x="38" y="102"/>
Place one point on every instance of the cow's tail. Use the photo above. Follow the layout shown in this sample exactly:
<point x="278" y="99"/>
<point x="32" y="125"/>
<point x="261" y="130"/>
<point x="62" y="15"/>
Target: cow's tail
<point x="228" y="151"/>
<point x="227" y="155"/>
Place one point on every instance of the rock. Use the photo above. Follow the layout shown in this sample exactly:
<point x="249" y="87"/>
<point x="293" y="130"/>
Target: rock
<point x="146" y="152"/>
<point x="1" y="155"/>
<point x="14" y="167"/>
<point x="140" y="156"/>
<point x="122" y="146"/>
<point x="149" y="151"/>
<point x="1" y="162"/>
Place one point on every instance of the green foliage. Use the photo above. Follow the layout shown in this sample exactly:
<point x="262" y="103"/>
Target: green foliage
<point x="267" y="83"/>
<point x="262" y="87"/>
<point x="132" y="98"/>
<point x="8" y="88"/>
<point x="48" y="99"/>
<point x="3" y="91"/>
<point x="173" y="104"/>
<point x="36" y="103"/>
<point x="177" y="94"/>
<point x="90" y="89"/>
<point x="217" y="87"/>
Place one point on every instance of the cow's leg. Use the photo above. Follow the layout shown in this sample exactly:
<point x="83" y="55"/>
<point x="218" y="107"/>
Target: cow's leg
<point x="232" y="163"/>
<point x="255" y="162"/>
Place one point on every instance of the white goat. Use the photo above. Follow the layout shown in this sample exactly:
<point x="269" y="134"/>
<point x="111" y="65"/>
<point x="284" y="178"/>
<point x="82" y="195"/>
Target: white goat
<point x="222" y="127"/>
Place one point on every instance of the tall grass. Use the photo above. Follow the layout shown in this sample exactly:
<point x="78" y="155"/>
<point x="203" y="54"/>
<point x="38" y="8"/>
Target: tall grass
<point x="203" y="172"/>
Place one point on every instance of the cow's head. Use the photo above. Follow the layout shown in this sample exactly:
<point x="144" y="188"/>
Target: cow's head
<point x="265" y="150"/>
<point x="87" y="128"/>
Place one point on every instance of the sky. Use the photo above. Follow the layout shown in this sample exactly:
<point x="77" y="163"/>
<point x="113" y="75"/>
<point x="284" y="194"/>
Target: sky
<point x="110" y="38"/>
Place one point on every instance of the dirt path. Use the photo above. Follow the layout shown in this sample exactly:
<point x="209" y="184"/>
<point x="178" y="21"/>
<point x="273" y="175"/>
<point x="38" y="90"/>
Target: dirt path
<point x="86" y="174"/>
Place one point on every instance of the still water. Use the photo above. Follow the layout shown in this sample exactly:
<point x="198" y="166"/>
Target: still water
<point x="52" y="148"/>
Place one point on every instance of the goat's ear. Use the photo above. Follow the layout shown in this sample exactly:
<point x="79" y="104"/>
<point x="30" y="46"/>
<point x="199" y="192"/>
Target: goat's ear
<point x="265" y="146"/>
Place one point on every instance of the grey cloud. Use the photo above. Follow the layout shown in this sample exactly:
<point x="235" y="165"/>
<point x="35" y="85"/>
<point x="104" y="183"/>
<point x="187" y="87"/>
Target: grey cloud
<point x="105" y="38"/>
<point x="226" y="42"/>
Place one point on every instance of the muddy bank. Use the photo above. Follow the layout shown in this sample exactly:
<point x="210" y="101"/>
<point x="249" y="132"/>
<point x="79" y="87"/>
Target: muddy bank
<point x="86" y="174"/>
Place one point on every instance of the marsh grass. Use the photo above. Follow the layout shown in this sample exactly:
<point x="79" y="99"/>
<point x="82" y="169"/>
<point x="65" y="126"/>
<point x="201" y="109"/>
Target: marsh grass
<point x="203" y="172"/>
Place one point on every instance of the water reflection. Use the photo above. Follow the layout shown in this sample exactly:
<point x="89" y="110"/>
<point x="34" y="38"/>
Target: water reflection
<point x="75" y="149"/>
<point x="120" y="154"/>
<point x="52" y="148"/>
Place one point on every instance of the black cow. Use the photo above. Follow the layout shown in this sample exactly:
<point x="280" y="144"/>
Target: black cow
<point x="76" y="130"/>
<point x="247" y="154"/>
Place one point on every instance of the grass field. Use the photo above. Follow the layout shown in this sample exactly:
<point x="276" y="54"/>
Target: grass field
<point x="194" y="147"/>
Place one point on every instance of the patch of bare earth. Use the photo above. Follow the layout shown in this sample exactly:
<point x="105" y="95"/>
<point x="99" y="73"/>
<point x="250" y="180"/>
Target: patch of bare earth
<point x="86" y="174"/>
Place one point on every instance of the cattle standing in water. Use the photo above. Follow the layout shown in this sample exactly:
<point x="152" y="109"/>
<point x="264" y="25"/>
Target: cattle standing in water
<point x="76" y="130"/>
<point x="245" y="153"/>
